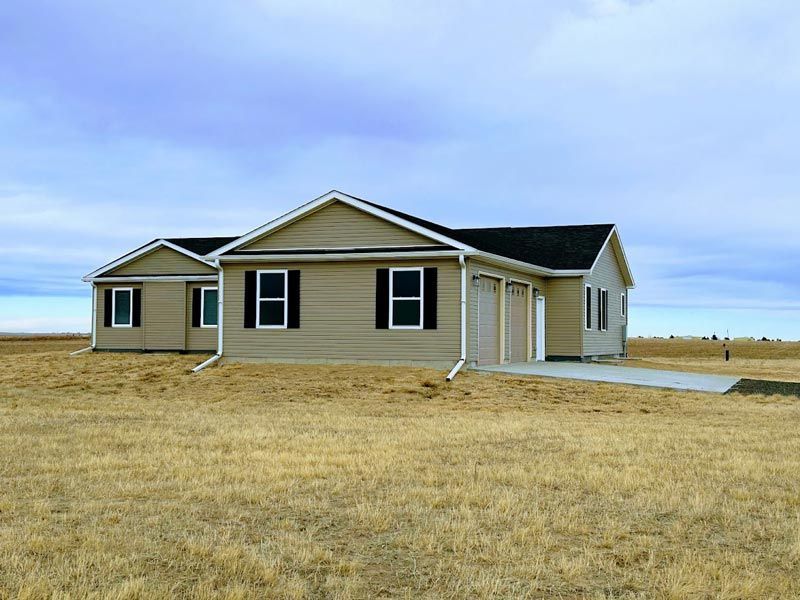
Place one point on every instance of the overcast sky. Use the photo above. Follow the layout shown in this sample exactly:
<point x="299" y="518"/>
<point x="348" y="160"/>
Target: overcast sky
<point x="676" y="119"/>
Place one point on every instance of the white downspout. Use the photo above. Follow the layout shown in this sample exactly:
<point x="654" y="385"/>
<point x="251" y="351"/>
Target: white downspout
<point x="94" y="328"/>
<point x="463" y="264"/>
<point x="94" y="316"/>
<point x="220" y="296"/>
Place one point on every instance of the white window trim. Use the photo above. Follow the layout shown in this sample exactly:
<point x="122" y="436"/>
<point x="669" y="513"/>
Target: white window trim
<point x="421" y="298"/>
<point x="114" y="308"/>
<point x="623" y="308"/>
<point x="285" y="298"/>
<point x="587" y="314"/>
<point x="603" y="308"/>
<point x="203" y="291"/>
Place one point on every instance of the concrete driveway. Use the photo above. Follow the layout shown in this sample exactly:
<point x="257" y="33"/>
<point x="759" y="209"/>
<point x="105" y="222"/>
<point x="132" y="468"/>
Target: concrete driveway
<point x="611" y="374"/>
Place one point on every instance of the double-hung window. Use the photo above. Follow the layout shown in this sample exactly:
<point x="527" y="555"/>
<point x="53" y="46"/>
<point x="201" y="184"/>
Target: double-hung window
<point x="406" y="293"/>
<point x="603" y="310"/>
<point x="122" y="307"/>
<point x="623" y="305"/>
<point x="271" y="305"/>
<point x="588" y="308"/>
<point x="208" y="307"/>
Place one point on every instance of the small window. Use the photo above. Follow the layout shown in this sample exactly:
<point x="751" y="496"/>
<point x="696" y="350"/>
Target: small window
<point x="623" y="305"/>
<point x="208" y="307"/>
<point x="603" y="310"/>
<point x="405" y="298"/>
<point x="272" y="306"/>
<point x="122" y="307"/>
<point x="588" y="308"/>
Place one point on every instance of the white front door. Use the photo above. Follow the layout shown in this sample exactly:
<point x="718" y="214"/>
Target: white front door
<point x="540" y="354"/>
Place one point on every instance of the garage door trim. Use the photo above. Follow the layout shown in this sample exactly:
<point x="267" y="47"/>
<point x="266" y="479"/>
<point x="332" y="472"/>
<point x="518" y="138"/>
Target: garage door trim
<point x="529" y="324"/>
<point x="501" y="310"/>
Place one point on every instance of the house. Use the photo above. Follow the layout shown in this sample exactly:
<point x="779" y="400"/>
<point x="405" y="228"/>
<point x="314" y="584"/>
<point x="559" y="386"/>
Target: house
<point x="341" y="279"/>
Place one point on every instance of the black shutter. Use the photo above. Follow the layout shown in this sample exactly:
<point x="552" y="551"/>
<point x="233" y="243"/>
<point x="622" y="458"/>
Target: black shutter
<point x="293" y="310"/>
<point x="250" y="299"/>
<point x="600" y="309"/>
<point x="107" y="307"/>
<point x="431" y="291"/>
<point x="196" y="306"/>
<point x="587" y="303"/>
<point x="136" y="321"/>
<point x="382" y="299"/>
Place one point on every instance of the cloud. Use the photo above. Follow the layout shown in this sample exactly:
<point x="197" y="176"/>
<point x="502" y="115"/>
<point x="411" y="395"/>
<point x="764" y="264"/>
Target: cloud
<point x="675" y="119"/>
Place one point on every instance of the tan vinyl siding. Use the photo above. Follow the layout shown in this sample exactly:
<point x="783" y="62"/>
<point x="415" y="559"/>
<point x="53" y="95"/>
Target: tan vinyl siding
<point x="607" y="275"/>
<point x="115" y="338"/>
<point x="474" y="266"/>
<point x="199" y="338"/>
<point x="337" y="317"/>
<point x="563" y="318"/>
<point x="163" y="261"/>
<point x="164" y="315"/>
<point x="338" y="225"/>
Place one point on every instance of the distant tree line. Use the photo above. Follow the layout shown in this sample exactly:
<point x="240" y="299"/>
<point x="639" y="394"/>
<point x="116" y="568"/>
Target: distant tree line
<point x="715" y="338"/>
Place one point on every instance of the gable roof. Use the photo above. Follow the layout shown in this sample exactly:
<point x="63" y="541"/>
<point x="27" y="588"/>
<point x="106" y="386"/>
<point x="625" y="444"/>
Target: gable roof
<point x="415" y="225"/>
<point x="194" y="248"/>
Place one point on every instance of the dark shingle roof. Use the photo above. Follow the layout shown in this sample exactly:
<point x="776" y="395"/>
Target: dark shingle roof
<point x="564" y="247"/>
<point x="561" y="247"/>
<point x="201" y="245"/>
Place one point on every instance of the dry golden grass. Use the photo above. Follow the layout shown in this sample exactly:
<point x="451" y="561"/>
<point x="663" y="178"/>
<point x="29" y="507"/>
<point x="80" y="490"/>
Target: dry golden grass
<point x="757" y="360"/>
<point x="36" y="344"/>
<point x="123" y="476"/>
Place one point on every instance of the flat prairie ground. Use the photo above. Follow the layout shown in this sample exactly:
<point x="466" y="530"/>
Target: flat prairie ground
<point x="758" y="360"/>
<point x="124" y="476"/>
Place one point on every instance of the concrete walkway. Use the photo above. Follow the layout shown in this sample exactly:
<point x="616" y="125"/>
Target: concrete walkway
<point x="611" y="374"/>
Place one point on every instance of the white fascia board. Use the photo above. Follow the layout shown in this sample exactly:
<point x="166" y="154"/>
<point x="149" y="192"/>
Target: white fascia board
<point x="614" y="231"/>
<point x="142" y="251"/>
<point x="340" y="257"/>
<point x="528" y="267"/>
<point x="328" y="198"/>
<point x="307" y="249"/>
<point x="113" y="279"/>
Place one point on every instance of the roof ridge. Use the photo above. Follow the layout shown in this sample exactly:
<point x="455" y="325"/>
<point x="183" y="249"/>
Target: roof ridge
<point x="506" y="227"/>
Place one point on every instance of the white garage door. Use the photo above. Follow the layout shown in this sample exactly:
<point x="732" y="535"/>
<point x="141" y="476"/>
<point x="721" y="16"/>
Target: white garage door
<point x="518" y="314"/>
<point x="488" y="316"/>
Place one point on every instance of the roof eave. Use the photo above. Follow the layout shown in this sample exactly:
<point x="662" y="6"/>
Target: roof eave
<point x="535" y="269"/>
<point x="344" y="256"/>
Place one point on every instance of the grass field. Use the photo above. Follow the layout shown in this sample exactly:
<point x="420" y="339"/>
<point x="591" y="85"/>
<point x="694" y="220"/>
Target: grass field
<point x="758" y="360"/>
<point x="123" y="476"/>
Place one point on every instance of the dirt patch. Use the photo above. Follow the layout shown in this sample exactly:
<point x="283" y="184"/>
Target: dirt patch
<point x="766" y="388"/>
